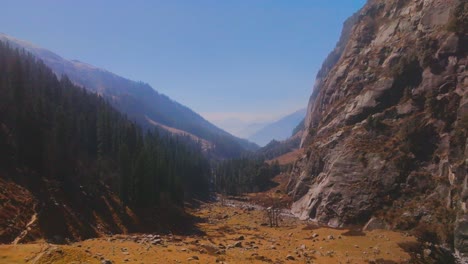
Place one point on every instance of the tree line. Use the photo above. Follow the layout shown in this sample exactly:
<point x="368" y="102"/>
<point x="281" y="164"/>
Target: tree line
<point x="243" y="175"/>
<point x="62" y="132"/>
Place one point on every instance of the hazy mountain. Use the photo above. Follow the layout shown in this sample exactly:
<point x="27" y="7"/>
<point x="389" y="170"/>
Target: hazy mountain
<point x="240" y="128"/>
<point x="251" y="128"/>
<point x="138" y="100"/>
<point x="278" y="130"/>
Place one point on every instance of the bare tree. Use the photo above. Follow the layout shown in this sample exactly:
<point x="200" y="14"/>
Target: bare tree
<point x="273" y="215"/>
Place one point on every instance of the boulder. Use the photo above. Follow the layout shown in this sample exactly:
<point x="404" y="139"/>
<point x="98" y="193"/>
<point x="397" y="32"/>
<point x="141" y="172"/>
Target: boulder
<point x="374" y="224"/>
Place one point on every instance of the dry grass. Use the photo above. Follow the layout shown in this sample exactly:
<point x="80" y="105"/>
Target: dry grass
<point x="222" y="227"/>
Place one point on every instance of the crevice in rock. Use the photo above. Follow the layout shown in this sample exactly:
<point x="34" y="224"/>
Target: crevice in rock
<point x="423" y="143"/>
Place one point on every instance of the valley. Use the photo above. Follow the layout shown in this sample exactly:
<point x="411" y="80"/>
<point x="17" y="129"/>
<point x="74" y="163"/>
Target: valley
<point x="229" y="232"/>
<point x="98" y="168"/>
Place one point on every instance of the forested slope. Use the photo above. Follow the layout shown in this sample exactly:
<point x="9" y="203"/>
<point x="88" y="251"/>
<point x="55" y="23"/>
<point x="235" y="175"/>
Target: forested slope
<point x="80" y="161"/>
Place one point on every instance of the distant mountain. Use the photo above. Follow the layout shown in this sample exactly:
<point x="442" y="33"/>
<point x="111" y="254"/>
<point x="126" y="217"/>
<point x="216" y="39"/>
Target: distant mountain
<point x="240" y="128"/>
<point x="249" y="129"/>
<point x="278" y="130"/>
<point x="139" y="101"/>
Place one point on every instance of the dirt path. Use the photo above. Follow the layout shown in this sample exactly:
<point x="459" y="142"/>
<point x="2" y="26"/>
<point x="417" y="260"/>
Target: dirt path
<point x="26" y="230"/>
<point x="41" y="253"/>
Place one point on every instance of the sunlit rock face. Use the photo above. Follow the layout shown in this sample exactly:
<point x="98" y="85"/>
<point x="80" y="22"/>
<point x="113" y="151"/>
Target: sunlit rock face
<point x="387" y="124"/>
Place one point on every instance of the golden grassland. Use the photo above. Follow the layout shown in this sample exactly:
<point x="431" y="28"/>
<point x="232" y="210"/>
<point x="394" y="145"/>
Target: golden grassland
<point x="219" y="229"/>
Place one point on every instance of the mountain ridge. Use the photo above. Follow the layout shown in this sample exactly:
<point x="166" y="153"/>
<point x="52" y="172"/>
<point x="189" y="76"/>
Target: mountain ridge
<point x="137" y="99"/>
<point x="279" y="130"/>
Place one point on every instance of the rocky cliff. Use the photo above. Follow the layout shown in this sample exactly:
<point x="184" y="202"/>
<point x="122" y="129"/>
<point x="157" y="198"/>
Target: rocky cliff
<point x="387" y="124"/>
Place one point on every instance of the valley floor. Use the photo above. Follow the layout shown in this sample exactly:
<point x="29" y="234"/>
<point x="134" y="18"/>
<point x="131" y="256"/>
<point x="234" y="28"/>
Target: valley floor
<point x="231" y="233"/>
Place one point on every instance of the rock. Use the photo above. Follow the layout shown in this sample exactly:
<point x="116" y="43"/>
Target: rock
<point x="375" y="223"/>
<point x="220" y="252"/>
<point x="331" y="237"/>
<point x="290" y="257"/>
<point x="220" y="259"/>
<point x="461" y="236"/>
<point x="314" y="235"/>
<point x="238" y="244"/>
<point x="106" y="261"/>
<point x="427" y="252"/>
<point x="449" y="47"/>
<point x="376" y="250"/>
<point x="240" y="238"/>
<point x="193" y="258"/>
<point x="156" y="241"/>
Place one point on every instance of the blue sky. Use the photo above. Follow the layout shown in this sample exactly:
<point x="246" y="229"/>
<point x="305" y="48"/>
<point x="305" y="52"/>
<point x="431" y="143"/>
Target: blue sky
<point x="245" y="60"/>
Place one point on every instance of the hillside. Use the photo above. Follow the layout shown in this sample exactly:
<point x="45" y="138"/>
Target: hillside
<point x="278" y="130"/>
<point x="139" y="101"/>
<point x="387" y="125"/>
<point x="72" y="167"/>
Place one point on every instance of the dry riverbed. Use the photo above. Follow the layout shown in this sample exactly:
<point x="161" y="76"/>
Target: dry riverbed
<point x="233" y="233"/>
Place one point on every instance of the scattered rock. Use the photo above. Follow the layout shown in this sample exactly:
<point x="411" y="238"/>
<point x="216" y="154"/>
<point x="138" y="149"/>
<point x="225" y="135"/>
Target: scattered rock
<point x="156" y="241"/>
<point x="193" y="258"/>
<point x="427" y="252"/>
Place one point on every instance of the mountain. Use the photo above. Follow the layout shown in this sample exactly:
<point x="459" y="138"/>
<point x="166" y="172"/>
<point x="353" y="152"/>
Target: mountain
<point x="238" y="127"/>
<point x="278" y="130"/>
<point x="386" y="126"/>
<point x="73" y="167"/>
<point x="139" y="101"/>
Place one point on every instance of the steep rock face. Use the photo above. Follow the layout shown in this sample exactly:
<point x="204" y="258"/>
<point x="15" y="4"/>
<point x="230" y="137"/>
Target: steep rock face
<point x="327" y="65"/>
<point x="388" y="125"/>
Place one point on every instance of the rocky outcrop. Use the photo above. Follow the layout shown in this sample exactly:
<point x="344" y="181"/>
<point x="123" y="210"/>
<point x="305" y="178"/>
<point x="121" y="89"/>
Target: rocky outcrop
<point x="387" y="125"/>
<point x="327" y="65"/>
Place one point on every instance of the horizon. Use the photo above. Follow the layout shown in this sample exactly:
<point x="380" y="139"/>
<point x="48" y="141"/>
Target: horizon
<point x="263" y="69"/>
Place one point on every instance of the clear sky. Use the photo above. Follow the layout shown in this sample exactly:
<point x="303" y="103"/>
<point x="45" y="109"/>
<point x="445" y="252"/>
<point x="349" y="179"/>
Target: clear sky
<point x="248" y="60"/>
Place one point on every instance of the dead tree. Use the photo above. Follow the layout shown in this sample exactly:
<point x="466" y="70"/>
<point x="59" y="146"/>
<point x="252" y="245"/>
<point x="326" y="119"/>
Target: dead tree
<point x="273" y="215"/>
